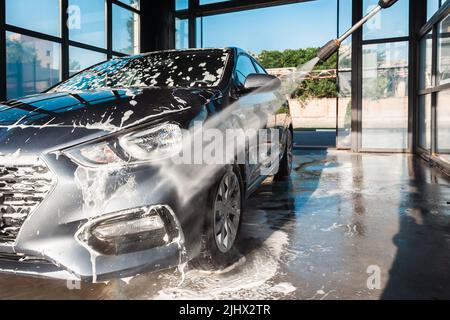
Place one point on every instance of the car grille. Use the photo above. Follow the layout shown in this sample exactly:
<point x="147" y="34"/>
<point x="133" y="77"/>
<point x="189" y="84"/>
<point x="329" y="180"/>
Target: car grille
<point x="24" y="184"/>
<point x="16" y="257"/>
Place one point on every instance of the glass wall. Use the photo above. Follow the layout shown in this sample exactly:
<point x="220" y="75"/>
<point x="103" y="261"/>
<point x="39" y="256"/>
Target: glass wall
<point x="90" y="27"/>
<point x="425" y="71"/>
<point x="289" y="28"/>
<point x="443" y="52"/>
<point x="181" y="5"/>
<point x="425" y="82"/>
<point x="33" y="64"/>
<point x="443" y="97"/>
<point x="443" y="125"/>
<point x="434" y="91"/>
<point x="81" y="59"/>
<point x="182" y="33"/>
<point x="385" y="55"/>
<point x="36" y="47"/>
<point x="39" y="15"/>
<point x="390" y="23"/>
<point x="125" y="30"/>
<point x="385" y="96"/>
<point x="432" y="7"/>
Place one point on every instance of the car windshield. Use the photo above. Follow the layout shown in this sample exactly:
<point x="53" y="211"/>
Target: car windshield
<point x="161" y="69"/>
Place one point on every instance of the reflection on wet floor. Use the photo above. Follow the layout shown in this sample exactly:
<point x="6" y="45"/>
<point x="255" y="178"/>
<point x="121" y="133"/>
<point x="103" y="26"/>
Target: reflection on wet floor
<point x="315" y="236"/>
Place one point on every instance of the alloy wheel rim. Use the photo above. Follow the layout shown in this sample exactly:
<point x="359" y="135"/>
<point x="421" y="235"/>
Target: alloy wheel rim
<point x="227" y="212"/>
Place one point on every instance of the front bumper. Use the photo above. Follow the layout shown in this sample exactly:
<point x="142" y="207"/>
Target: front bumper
<point x="102" y="268"/>
<point x="47" y="245"/>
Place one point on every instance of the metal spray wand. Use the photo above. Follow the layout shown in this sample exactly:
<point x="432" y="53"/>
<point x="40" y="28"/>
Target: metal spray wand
<point x="332" y="46"/>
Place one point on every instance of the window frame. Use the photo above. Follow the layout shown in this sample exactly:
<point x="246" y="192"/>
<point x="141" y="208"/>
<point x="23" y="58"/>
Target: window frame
<point x="432" y="25"/>
<point x="110" y="21"/>
<point x="357" y="94"/>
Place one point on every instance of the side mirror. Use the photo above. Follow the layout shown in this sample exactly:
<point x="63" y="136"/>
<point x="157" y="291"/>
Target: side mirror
<point x="262" y="82"/>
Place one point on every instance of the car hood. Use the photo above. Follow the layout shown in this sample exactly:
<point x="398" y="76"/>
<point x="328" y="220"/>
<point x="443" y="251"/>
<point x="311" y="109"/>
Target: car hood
<point x="47" y="121"/>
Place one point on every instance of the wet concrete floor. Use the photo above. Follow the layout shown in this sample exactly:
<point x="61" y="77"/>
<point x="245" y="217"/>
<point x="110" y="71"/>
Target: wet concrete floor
<point x="345" y="226"/>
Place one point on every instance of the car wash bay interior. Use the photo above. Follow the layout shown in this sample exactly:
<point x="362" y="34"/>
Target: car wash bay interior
<point x="379" y="199"/>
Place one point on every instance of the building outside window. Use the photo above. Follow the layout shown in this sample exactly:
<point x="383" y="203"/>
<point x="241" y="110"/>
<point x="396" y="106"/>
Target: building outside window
<point x="30" y="68"/>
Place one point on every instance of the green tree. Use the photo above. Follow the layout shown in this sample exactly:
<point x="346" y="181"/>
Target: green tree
<point x="17" y="51"/>
<point x="290" y="58"/>
<point x="375" y="88"/>
<point x="322" y="88"/>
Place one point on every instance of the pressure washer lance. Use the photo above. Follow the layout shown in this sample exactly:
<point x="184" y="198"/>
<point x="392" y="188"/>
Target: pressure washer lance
<point x="331" y="47"/>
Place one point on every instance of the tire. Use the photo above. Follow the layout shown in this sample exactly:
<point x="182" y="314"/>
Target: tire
<point x="285" y="168"/>
<point x="218" y="249"/>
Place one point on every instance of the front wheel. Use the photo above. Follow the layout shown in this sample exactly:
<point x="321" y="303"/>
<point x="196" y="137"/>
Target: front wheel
<point x="225" y="206"/>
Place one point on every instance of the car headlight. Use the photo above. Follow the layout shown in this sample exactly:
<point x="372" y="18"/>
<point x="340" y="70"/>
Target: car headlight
<point x="130" y="230"/>
<point x="159" y="142"/>
<point x="152" y="144"/>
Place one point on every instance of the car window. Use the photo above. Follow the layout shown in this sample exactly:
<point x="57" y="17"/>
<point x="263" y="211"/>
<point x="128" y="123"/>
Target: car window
<point x="159" y="69"/>
<point x="260" y="69"/>
<point x="244" y="67"/>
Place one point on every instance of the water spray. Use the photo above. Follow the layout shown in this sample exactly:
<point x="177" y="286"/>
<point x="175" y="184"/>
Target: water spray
<point x="333" y="46"/>
<point x="198" y="179"/>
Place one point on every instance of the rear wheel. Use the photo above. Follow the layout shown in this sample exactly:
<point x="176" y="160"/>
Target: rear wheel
<point x="286" y="162"/>
<point x="222" y="223"/>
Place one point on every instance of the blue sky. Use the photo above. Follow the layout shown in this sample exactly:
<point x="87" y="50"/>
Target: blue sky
<point x="307" y="24"/>
<point x="301" y="25"/>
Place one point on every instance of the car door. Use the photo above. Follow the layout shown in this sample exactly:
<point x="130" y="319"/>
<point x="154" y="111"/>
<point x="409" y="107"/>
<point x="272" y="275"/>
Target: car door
<point x="252" y="114"/>
<point x="278" y="120"/>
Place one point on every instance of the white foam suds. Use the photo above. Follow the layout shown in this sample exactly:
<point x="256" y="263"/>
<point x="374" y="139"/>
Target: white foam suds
<point x="248" y="278"/>
<point x="284" y="288"/>
<point x="127" y="280"/>
<point x="126" y="117"/>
